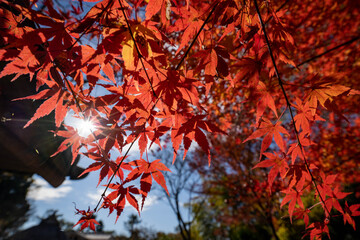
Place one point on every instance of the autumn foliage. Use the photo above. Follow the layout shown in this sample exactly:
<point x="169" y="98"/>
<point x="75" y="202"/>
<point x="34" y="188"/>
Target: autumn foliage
<point x="284" y="74"/>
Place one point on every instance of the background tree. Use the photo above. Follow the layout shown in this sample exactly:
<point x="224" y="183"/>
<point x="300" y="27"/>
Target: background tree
<point x="131" y="224"/>
<point x="16" y="209"/>
<point x="181" y="183"/>
<point x="235" y="200"/>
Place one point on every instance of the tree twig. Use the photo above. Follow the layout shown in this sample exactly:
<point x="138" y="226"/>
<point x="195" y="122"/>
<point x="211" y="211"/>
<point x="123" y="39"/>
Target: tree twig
<point x="137" y="49"/>
<point x="328" y="51"/>
<point x="197" y="35"/>
<point x="289" y="106"/>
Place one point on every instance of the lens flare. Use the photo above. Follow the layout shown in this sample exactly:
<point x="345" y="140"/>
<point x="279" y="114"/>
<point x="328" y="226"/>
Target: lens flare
<point x="85" y="127"/>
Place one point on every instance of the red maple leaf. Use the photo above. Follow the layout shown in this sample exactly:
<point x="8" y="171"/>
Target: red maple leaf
<point x="279" y="166"/>
<point x="192" y="130"/>
<point x="121" y="193"/>
<point x="269" y="130"/>
<point x="147" y="169"/>
<point x="317" y="229"/>
<point x="107" y="166"/>
<point x="293" y="196"/>
<point x="350" y="212"/>
<point x="87" y="219"/>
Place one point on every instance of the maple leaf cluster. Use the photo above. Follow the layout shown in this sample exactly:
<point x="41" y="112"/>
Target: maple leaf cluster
<point x="187" y="69"/>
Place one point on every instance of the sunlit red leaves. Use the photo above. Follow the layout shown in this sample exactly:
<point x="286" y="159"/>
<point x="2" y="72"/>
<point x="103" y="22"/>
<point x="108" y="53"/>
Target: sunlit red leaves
<point x="146" y="42"/>
<point x="323" y="90"/>
<point x="11" y="26"/>
<point x="208" y="61"/>
<point x="213" y="61"/>
<point x="327" y="182"/>
<point x="87" y="219"/>
<point x="248" y="69"/>
<point x="232" y="46"/>
<point x="297" y="151"/>
<point x="55" y="101"/>
<point x="333" y="200"/>
<point x="330" y="190"/>
<point x="269" y="130"/>
<point x="298" y="175"/>
<point x="193" y="130"/>
<point x="300" y="213"/>
<point x="176" y="88"/>
<point x="155" y="6"/>
<point x="145" y="170"/>
<point x="189" y="22"/>
<point x="24" y="63"/>
<point x="108" y="167"/>
<point x="121" y="193"/>
<point x="349" y="212"/>
<point x="278" y="166"/>
<point x="73" y="139"/>
<point x="149" y="135"/>
<point x="46" y="108"/>
<point x="317" y="229"/>
<point x="293" y="196"/>
<point x="282" y="43"/>
<point x="266" y="100"/>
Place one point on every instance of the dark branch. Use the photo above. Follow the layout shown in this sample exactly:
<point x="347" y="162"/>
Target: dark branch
<point x="126" y="154"/>
<point x="328" y="51"/>
<point x="288" y="105"/>
<point x="137" y="49"/>
<point x="197" y="35"/>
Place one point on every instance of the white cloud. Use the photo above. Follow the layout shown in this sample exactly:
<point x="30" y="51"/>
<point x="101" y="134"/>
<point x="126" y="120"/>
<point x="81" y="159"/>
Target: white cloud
<point x="149" y="201"/>
<point x="42" y="191"/>
<point x="95" y="196"/>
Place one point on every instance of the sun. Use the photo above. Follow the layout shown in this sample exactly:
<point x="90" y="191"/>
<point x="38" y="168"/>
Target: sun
<point x="85" y="127"/>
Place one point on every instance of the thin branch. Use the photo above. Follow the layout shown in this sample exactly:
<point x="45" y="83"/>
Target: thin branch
<point x="328" y="51"/>
<point x="126" y="154"/>
<point x="88" y="27"/>
<point x="197" y="35"/>
<point x="277" y="10"/>
<point x="288" y="106"/>
<point x="137" y="49"/>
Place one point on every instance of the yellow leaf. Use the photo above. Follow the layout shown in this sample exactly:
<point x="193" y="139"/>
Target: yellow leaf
<point x="128" y="55"/>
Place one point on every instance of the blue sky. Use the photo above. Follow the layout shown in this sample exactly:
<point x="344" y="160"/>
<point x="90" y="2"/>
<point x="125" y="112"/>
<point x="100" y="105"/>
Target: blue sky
<point x="156" y="213"/>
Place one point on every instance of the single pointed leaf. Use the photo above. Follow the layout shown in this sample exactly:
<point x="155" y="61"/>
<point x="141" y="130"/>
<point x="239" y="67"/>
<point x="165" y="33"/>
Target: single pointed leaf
<point x="45" y="108"/>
